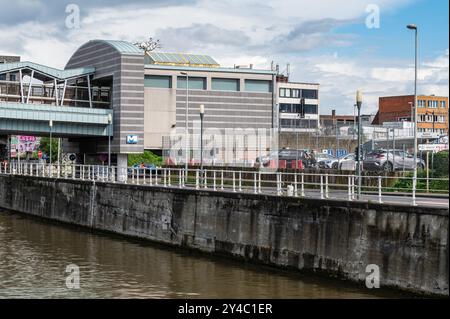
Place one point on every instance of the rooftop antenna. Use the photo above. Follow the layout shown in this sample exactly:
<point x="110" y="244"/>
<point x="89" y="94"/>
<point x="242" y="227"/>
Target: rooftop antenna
<point x="278" y="69"/>
<point x="288" y="69"/>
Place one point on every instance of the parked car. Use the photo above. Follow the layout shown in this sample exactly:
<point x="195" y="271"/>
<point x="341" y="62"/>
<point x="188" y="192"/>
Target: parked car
<point x="326" y="161"/>
<point x="289" y="156"/>
<point x="347" y="162"/>
<point x="388" y="161"/>
<point x="140" y="168"/>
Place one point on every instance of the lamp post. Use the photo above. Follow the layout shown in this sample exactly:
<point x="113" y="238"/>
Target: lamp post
<point x="109" y="140"/>
<point x="414" y="27"/>
<point x="186" y="134"/>
<point x="358" y="105"/>
<point x="202" y="114"/>
<point x="50" y="124"/>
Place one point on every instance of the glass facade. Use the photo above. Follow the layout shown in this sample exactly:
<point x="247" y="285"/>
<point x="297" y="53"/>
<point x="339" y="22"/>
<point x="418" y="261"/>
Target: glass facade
<point x="195" y="83"/>
<point x="258" y="86"/>
<point x="158" y="81"/>
<point x="219" y="84"/>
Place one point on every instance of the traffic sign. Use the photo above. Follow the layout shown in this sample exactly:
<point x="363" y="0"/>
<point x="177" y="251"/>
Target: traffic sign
<point x="433" y="147"/>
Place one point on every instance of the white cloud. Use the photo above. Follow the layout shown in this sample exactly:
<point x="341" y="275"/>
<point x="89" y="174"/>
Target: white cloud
<point x="242" y="32"/>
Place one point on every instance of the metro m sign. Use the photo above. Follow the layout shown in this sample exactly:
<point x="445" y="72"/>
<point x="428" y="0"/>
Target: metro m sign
<point x="132" y="139"/>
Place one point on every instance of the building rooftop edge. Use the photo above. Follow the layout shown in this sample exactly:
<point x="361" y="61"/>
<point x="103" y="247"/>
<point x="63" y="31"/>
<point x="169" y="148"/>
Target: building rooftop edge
<point x="214" y="69"/>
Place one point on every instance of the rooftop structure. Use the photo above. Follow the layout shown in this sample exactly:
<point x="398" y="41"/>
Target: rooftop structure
<point x="180" y="59"/>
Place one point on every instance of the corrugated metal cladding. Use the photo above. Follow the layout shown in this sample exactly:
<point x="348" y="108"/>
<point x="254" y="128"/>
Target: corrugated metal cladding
<point x="227" y="109"/>
<point x="126" y="65"/>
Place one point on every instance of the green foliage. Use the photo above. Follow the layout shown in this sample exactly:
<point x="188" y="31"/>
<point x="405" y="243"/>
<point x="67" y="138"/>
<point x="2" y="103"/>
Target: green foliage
<point x="441" y="164"/>
<point x="146" y="157"/>
<point x="44" y="146"/>
<point x="405" y="184"/>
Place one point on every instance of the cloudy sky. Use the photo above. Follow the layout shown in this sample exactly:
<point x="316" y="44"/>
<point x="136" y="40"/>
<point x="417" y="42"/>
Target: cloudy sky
<point x="325" y="41"/>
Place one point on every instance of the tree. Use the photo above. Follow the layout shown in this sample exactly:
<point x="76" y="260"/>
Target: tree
<point x="44" y="146"/>
<point x="150" y="45"/>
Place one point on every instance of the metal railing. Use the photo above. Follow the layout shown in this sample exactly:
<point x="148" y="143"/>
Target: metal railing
<point x="293" y="184"/>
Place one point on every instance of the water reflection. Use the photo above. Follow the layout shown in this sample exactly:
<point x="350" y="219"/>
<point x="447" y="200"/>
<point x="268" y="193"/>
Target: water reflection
<point x="34" y="256"/>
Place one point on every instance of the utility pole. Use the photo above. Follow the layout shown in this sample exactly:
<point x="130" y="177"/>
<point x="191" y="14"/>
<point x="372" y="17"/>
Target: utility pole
<point x="359" y="98"/>
<point x="414" y="27"/>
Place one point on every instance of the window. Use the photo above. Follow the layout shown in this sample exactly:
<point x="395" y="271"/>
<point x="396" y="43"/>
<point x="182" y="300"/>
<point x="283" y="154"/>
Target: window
<point x="2" y="77"/>
<point x="285" y="108"/>
<point x="158" y="81"/>
<point x="310" y="94"/>
<point x="432" y="104"/>
<point x="421" y="103"/>
<point x="443" y="104"/>
<point x="310" y="109"/>
<point x="195" y="83"/>
<point x="258" y="86"/>
<point x="288" y="92"/>
<point x="282" y="92"/>
<point x="218" y="84"/>
<point x="295" y="93"/>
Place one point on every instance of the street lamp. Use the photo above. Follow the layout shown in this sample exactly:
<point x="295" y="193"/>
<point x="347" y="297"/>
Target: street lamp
<point x="359" y="98"/>
<point x="109" y="140"/>
<point x="202" y="114"/>
<point x="186" y="134"/>
<point x="50" y="124"/>
<point x="414" y="27"/>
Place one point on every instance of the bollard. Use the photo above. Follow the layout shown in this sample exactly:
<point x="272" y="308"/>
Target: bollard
<point x="205" y="179"/>
<point x="156" y="176"/>
<point x="255" y="184"/>
<point x="379" y="190"/>
<point x="321" y="186"/>
<point x="165" y="177"/>
<point x="180" y="182"/>
<point x="290" y="190"/>
<point x="143" y="177"/>
<point x="327" y="195"/>
<point x="169" y="182"/>
<point x="214" y="180"/>
<point x="221" y="180"/>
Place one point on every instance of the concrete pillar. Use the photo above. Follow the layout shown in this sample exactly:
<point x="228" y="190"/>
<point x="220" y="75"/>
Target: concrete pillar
<point x="122" y="164"/>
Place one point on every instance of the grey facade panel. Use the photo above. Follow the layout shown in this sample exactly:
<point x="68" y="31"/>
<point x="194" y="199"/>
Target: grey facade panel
<point x="128" y="94"/>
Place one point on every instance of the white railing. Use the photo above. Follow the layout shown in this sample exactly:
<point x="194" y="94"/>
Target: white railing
<point x="293" y="184"/>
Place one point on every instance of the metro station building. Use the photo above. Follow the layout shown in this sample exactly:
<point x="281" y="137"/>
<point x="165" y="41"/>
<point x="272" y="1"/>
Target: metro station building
<point x="113" y="97"/>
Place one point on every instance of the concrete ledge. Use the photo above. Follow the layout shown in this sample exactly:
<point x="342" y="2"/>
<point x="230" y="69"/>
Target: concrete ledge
<point x="336" y="238"/>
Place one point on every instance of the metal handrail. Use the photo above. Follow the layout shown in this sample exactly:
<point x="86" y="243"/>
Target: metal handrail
<point x="295" y="184"/>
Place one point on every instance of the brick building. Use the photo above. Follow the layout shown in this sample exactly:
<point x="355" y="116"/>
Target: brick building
<point x="432" y="112"/>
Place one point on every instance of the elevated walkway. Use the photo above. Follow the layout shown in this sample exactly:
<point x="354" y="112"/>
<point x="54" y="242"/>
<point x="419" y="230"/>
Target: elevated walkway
<point x="34" y="119"/>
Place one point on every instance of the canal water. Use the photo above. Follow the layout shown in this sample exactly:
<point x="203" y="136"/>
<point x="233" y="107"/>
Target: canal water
<point x="34" y="255"/>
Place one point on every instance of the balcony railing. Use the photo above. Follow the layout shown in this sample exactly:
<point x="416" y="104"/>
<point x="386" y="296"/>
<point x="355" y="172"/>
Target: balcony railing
<point x="45" y="94"/>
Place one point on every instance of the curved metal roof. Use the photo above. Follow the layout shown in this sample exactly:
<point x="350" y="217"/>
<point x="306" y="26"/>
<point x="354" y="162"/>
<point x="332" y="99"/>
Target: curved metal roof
<point x="123" y="47"/>
<point x="49" y="71"/>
